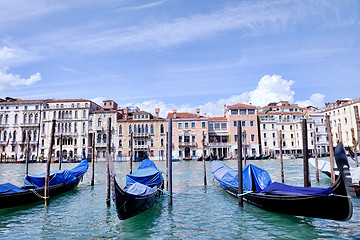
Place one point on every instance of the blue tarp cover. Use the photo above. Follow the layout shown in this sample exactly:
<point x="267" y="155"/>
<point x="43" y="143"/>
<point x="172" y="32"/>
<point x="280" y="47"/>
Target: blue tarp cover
<point x="9" y="188"/>
<point x="139" y="189"/>
<point x="283" y="189"/>
<point x="254" y="178"/>
<point x="57" y="177"/>
<point x="146" y="174"/>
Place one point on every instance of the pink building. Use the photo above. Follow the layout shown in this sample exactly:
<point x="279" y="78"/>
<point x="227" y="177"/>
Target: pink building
<point x="249" y="122"/>
<point x="188" y="132"/>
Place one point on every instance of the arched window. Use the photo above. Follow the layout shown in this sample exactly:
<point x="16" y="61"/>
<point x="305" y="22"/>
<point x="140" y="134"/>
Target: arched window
<point x="104" y="138"/>
<point x="130" y="129"/>
<point x="152" y="129"/>
<point x="62" y="127"/>
<point x="30" y="118"/>
<point x="44" y="115"/>
<point x="139" y="128"/>
<point x="75" y="127"/>
<point x="59" y="115"/>
<point x="62" y="114"/>
<point x="99" y="122"/>
<point x="142" y="128"/>
<point x="25" y="118"/>
<point x="59" y="127"/>
<point x="43" y="127"/>
<point x="83" y="128"/>
<point x="120" y="143"/>
<point x="4" y="139"/>
<point x="35" y="135"/>
<point x="70" y="114"/>
<point x="99" y="138"/>
<point x="24" y="136"/>
<point x="146" y="128"/>
<point x="1" y="118"/>
<point x="37" y="118"/>
<point x="54" y="116"/>
<point x="66" y="127"/>
<point x="90" y="123"/>
<point x="14" y="136"/>
<point x="6" y="119"/>
<point x="69" y="127"/>
<point x="67" y="114"/>
<point x="135" y="128"/>
<point x="162" y="128"/>
<point x="16" y="119"/>
<point x="120" y="130"/>
<point x="76" y="114"/>
<point x="84" y="114"/>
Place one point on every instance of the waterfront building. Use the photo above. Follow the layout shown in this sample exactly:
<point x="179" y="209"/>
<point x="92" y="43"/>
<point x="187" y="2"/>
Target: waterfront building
<point x="189" y="134"/>
<point x="72" y="127"/>
<point x="287" y="118"/>
<point x="219" y="145"/>
<point x="247" y="114"/>
<point x="20" y="122"/>
<point x="342" y="119"/>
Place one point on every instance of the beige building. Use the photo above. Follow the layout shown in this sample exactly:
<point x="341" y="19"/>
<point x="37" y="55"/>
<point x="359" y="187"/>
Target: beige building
<point x="342" y="119"/>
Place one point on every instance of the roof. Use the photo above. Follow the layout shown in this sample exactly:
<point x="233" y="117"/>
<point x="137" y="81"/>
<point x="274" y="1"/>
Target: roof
<point x="240" y="105"/>
<point x="280" y="113"/>
<point x="18" y="100"/>
<point x="183" y="115"/>
<point x="218" y="119"/>
<point x="71" y="100"/>
<point x="342" y="104"/>
<point x="141" y="112"/>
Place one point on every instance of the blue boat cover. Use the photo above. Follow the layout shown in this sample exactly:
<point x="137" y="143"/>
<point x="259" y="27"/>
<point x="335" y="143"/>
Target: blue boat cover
<point x="147" y="174"/>
<point x="139" y="189"/>
<point x="254" y="178"/>
<point x="9" y="188"/>
<point x="57" y="177"/>
<point x="283" y="189"/>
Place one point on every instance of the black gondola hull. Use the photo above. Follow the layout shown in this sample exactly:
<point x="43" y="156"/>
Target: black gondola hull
<point x="128" y="205"/>
<point x="34" y="195"/>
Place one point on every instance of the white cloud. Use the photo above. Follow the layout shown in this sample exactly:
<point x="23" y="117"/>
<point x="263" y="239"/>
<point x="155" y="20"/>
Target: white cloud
<point x="9" y="79"/>
<point x="316" y="100"/>
<point x="270" y="89"/>
<point x="98" y="100"/>
<point x="6" y="53"/>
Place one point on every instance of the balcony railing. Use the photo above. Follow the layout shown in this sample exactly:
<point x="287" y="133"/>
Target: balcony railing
<point x="219" y="144"/>
<point x="4" y="125"/>
<point x="29" y="124"/>
<point x="140" y="147"/>
<point x="187" y="144"/>
<point x="101" y="145"/>
<point x="141" y="135"/>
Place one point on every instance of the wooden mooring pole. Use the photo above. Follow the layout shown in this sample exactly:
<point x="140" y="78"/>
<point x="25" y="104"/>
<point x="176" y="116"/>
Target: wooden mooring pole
<point x="169" y="161"/>
<point x="357" y="121"/>
<point x="245" y="152"/>
<point x="92" y="143"/>
<point x="27" y="155"/>
<point x="281" y="156"/>
<point x="307" y="182"/>
<point x="61" y="151"/>
<point x="316" y="159"/>
<point x="131" y="150"/>
<point x="204" y="165"/>
<point x="355" y="143"/>
<point x="331" y="148"/>
<point x="48" y="162"/>
<point x="240" y="178"/>
<point x="108" y="159"/>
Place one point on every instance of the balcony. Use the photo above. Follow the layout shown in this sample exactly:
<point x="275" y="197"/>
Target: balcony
<point x="141" y="135"/>
<point x="219" y="144"/>
<point x="101" y="145"/>
<point x="65" y="134"/>
<point x="29" y="125"/>
<point x="4" y="125"/>
<point x="187" y="144"/>
<point x="99" y="128"/>
<point x="141" y="147"/>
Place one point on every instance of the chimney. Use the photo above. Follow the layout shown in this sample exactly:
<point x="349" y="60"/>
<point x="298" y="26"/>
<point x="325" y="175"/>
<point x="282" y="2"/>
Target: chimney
<point x="198" y="112"/>
<point x="126" y="113"/>
<point x="157" y="110"/>
<point x="174" y="112"/>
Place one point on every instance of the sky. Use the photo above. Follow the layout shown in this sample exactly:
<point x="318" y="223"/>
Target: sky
<point x="181" y="54"/>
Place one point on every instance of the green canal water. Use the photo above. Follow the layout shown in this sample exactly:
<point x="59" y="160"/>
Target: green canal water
<point x="198" y="212"/>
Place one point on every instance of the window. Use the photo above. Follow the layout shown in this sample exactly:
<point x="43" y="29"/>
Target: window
<point x="130" y="129"/>
<point x="264" y="135"/>
<point x="120" y="143"/>
<point x="282" y="127"/>
<point x="235" y="123"/>
<point x="162" y="142"/>
<point x="84" y="114"/>
<point x="251" y="111"/>
<point x="120" y="130"/>
<point x="193" y="138"/>
<point x="217" y="126"/>
<point x="203" y="125"/>
<point x="273" y="126"/>
<point x="179" y="125"/>
<point x="76" y="114"/>
<point x="252" y="137"/>
<point x="234" y="112"/>
<point x="104" y="138"/>
<point x="264" y="126"/>
<point x="186" y="125"/>
<point x="162" y="129"/>
<point x="99" y="122"/>
<point x="152" y="142"/>
<point x="243" y="123"/>
<point x="223" y="126"/>
<point x="152" y="128"/>
<point x="193" y="125"/>
<point x="251" y="123"/>
<point x="273" y="135"/>
<point x="16" y="119"/>
<point x="90" y="123"/>
<point x="180" y="139"/>
<point x="242" y="111"/>
<point x="292" y="135"/>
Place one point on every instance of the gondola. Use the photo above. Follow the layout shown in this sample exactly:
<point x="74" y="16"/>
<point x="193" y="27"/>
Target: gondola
<point x="33" y="190"/>
<point x="142" y="190"/>
<point x="324" y="167"/>
<point x="329" y="203"/>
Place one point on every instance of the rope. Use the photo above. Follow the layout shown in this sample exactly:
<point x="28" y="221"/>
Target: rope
<point x="166" y="193"/>
<point x="163" y="172"/>
<point x="118" y="208"/>
<point x="37" y="194"/>
<point x="246" y="192"/>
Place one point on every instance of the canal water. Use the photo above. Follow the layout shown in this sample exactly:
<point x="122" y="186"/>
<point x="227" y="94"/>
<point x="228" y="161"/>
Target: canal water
<point x="198" y="212"/>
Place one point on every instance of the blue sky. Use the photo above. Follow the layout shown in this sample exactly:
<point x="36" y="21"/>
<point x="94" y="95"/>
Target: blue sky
<point x="181" y="54"/>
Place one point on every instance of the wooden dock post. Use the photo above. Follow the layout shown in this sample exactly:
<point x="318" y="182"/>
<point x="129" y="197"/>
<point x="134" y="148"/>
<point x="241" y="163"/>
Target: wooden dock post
<point x="169" y="161"/>
<point x="204" y="165"/>
<point x="244" y="148"/>
<point x="48" y="162"/>
<point x="316" y="159"/>
<point x="61" y="151"/>
<point x="357" y="122"/>
<point x="27" y="155"/>
<point x="131" y="150"/>
<point x="108" y="159"/>
<point x="92" y="143"/>
<point x="307" y="182"/>
<point x="240" y="178"/>
<point x="331" y="148"/>
<point x="281" y="156"/>
<point x="355" y="143"/>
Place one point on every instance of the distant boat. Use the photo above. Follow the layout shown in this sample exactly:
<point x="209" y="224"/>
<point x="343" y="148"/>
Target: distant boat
<point x="176" y="160"/>
<point x="333" y="202"/>
<point x="33" y="190"/>
<point x="142" y="190"/>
